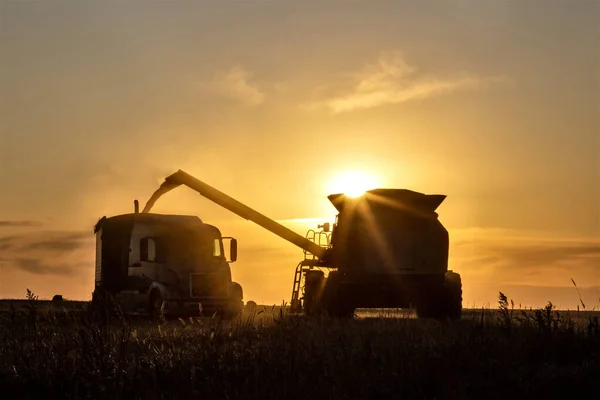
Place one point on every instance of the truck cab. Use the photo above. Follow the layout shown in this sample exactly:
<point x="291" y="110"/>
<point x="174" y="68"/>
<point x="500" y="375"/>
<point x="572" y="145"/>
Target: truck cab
<point x="173" y="264"/>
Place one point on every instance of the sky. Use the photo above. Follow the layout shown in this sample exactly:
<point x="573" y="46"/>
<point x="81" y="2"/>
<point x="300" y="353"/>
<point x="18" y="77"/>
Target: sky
<point x="495" y="104"/>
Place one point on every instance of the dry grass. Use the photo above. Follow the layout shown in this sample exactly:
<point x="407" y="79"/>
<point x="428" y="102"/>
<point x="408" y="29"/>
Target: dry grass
<point x="267" y="354"/>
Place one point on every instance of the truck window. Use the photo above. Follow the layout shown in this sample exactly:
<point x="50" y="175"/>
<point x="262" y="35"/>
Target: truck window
<point x="147" y="249"/>
<point x="217" y="248"/>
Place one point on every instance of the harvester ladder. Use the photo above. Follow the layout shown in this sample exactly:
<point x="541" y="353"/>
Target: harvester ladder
<point x="296" y="306"/>
<point x="323" y="240"/>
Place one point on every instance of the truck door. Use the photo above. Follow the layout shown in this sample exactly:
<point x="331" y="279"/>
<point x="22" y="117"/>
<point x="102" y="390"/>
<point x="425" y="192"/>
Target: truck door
<point x="150" y="260"/>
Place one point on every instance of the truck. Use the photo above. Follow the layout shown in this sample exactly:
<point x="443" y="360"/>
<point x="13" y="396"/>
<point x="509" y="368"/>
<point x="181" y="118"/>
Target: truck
<point x="386" y="249"/>
<point x="169" y="265"/>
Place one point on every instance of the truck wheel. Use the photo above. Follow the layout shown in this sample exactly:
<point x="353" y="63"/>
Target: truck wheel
<point x="235" y="305"/>
<point x="155" y="305"/>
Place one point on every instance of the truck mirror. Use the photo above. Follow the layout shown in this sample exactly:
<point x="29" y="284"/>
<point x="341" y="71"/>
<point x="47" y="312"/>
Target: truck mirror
<point x="233" y="250"/>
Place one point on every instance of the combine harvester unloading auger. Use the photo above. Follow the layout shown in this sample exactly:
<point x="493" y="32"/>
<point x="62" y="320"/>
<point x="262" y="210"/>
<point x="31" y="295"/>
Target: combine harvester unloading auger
<point x="386" y="249"/>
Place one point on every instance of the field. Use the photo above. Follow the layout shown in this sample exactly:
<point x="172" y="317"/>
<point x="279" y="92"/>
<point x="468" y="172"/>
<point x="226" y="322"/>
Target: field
<point x="74" y="350"/>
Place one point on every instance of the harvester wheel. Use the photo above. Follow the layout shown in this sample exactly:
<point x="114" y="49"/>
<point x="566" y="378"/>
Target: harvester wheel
<point x="341" y="311"/>
<point x="454" y="295"/>
<point x="334" y="299"/>
<point x="428" y="306"/>
<point x="313" y="290"/>
<point x="444" y="302"/>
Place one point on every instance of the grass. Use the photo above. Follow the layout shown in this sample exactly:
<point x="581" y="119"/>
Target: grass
<point x="76" y="352"/>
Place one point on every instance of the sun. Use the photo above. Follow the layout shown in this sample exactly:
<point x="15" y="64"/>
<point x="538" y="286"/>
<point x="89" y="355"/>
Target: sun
<point x="353" y="183"/>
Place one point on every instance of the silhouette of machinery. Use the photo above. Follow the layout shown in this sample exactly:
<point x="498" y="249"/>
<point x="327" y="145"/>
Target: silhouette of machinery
<point x="386" y="249"/>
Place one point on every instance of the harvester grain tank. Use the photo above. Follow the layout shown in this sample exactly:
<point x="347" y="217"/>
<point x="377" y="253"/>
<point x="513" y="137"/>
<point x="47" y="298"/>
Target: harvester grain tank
<point x="389" y="250"/>
<point x="386" y="249"/>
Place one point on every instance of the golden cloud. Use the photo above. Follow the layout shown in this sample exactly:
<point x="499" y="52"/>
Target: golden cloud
<point x="391" y="80"/>
<point x="235" y="83"/>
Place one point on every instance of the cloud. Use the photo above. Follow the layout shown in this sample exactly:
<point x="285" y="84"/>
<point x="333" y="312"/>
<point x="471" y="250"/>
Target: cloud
<point x="391" y="80"/>
<point x="48" y="253"/>
<point x="235" y="83"/>
<point x="42" y="267"/>
<point x="530" y="267"/>
<point x="19" y="224"/>
<point x="507" y="257"/>
<point x="64" y="242"/>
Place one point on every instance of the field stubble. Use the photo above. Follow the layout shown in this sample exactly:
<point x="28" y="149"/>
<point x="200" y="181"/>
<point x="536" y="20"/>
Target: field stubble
<point x="80" y="351"/>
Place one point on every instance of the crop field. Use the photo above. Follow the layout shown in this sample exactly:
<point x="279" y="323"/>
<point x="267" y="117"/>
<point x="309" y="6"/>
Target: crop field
<point x="76" y="350"/>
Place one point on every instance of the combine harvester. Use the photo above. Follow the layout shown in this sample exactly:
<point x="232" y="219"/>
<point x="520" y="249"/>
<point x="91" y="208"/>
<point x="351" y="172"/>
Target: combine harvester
<point x="386" y="249"/>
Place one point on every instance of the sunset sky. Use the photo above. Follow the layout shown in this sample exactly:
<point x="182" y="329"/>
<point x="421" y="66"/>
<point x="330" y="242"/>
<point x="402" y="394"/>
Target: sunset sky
<point x="495" y="104"/>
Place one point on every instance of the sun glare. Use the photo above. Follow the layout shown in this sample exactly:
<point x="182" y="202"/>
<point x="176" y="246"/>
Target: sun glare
<point x="353" y="184"/>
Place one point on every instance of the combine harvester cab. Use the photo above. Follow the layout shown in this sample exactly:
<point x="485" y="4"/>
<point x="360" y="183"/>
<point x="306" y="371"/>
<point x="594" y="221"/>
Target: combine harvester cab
<point x="171" y="264"/>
